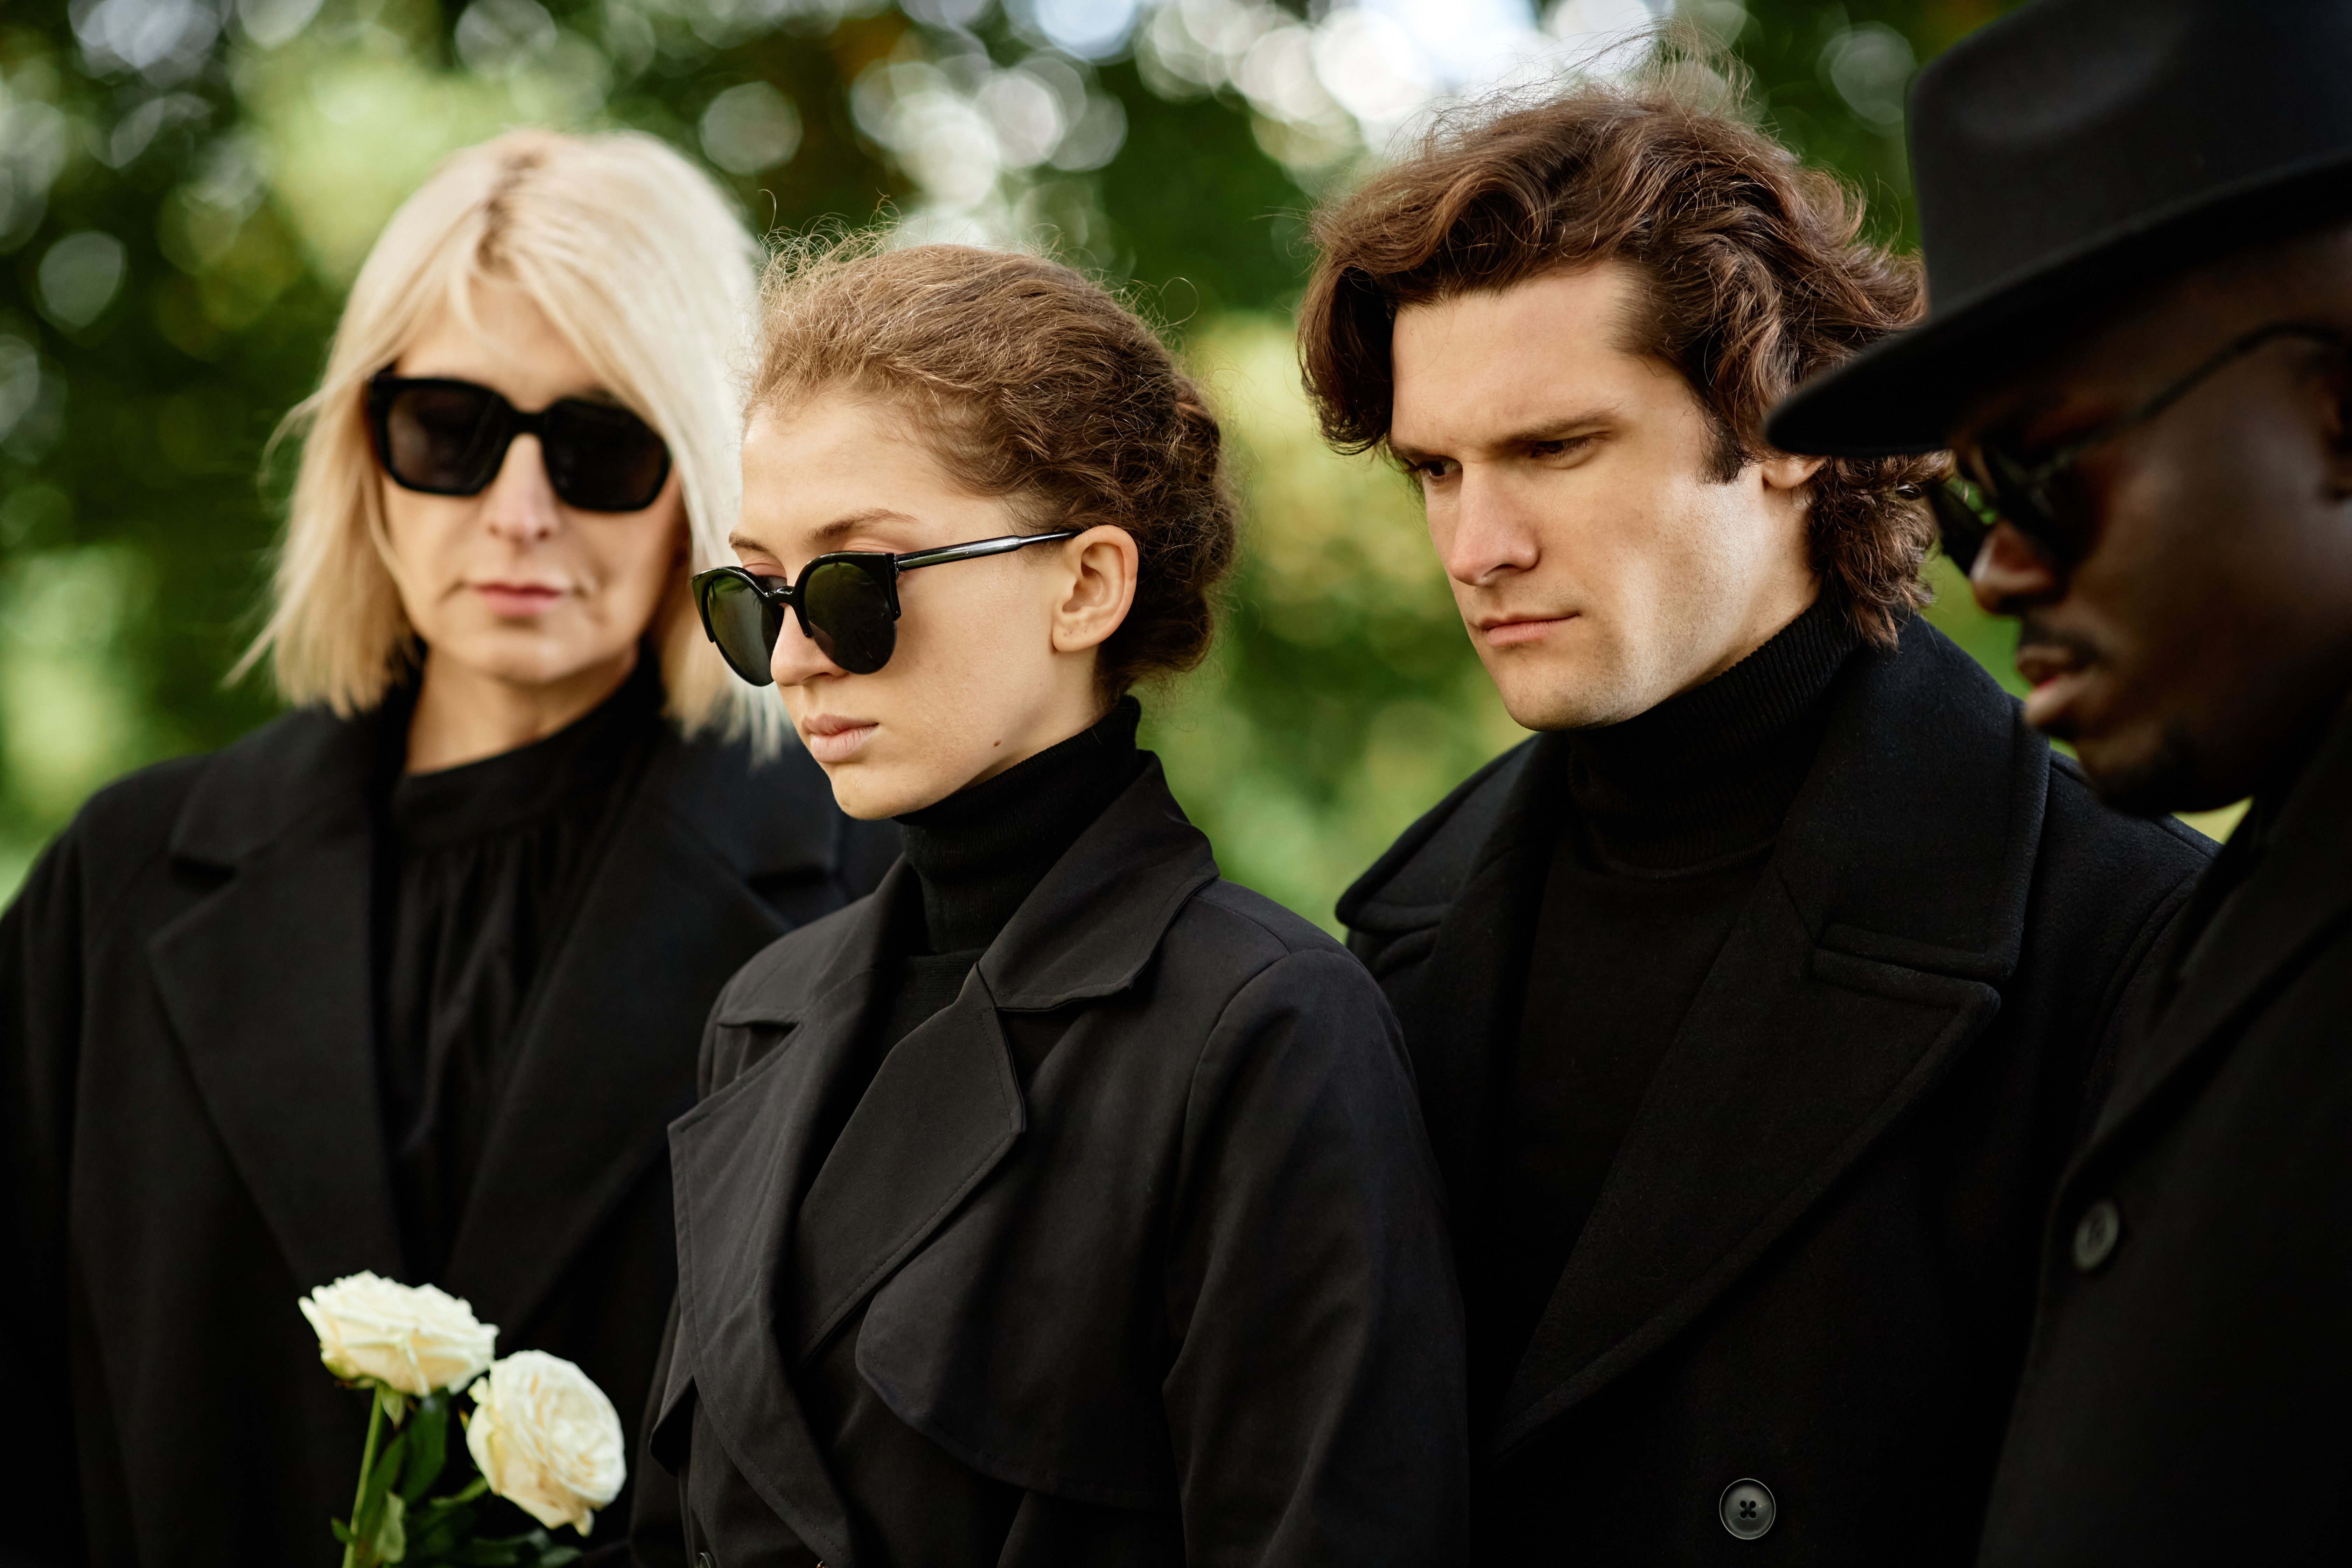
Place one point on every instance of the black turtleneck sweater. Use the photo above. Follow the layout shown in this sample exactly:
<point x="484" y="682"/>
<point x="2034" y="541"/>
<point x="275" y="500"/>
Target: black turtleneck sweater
<point x="979" y="853"/>
<point x="1668" y="820"/>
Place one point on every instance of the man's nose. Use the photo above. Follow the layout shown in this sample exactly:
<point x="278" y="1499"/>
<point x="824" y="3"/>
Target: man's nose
<point x="520" y="504"/>
<point x="2013" y="573"/>
<point x="1489" y="532"/>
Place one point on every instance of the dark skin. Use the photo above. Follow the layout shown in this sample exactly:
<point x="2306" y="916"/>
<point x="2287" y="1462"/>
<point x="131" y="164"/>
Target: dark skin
<point x="2203" y="644"/>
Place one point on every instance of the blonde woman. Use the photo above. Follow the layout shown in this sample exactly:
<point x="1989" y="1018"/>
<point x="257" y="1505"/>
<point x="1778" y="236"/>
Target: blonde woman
<point x="410" y="979"/>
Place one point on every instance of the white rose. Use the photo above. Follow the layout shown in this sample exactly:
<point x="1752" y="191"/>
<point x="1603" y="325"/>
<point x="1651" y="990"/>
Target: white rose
<point x="412" y="1340"/>
<point x="547" y="1439"/>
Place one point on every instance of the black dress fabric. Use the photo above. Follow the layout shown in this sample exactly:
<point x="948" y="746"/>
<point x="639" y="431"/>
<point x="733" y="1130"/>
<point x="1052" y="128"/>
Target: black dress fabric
<point x="480" y="864"/>
<point x="1674" y="814"/>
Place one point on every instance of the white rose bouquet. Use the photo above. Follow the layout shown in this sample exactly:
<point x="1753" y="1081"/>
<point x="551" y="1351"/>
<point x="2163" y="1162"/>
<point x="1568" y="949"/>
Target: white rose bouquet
<point x="542" y="1434"/>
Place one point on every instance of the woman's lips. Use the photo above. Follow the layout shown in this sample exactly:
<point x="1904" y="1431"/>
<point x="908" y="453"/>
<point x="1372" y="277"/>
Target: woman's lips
<point x="830" y="738"/>
<point x="518" y="601"/>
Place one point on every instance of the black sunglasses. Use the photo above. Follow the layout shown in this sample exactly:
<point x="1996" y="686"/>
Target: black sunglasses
<point x="2042" y="500"/>
<point x="847" y="604"/>
<point x="449" y="438"/>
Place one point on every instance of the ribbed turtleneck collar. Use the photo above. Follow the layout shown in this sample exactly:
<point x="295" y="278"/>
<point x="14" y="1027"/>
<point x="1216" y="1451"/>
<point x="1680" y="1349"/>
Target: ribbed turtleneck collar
<point x="980" y="852"/>
<point x="1706" y="776"/>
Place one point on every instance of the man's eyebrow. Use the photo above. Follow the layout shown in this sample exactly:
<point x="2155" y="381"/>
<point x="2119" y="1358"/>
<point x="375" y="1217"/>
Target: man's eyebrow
<point x="1558" y="429"/>
<point x="827" y="532"/>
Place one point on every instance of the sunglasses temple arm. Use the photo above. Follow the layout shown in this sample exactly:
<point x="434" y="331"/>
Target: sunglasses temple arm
<point x="1962" y="530"/>
<point x="949" y="554"/>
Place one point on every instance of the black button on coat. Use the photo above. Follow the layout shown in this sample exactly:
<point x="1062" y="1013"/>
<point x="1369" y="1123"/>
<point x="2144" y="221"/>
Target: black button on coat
<point x="189" y="1117"/>
<point x="1813" y="1261"/>
<point x="1143" y="1225"/>
<point x="2184" y="1400"/>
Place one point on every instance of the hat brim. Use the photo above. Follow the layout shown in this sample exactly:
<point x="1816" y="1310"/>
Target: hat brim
<point x="1906" y="393"/>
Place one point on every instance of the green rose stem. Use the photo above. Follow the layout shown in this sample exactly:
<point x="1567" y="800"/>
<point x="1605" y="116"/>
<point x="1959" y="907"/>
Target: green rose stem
<point x="367" y="1463"/>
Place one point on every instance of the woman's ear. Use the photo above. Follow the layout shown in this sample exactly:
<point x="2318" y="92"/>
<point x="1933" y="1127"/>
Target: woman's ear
<point x="1099" y="569"/>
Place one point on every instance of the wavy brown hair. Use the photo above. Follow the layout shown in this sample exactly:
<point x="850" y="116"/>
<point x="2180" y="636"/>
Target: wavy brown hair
<point x="1755" y="270"/>
<point x="1029" y="383"/>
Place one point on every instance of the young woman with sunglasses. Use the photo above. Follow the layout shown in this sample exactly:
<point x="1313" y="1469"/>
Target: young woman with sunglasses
<point x="410" y="979"/>
<point x="1060" y="1202"/>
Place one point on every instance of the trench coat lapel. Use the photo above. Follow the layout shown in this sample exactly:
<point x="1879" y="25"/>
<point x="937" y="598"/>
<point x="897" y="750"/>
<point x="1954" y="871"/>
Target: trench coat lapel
<point x="2299" y="891"/>
<point x="944" y="1110"/>
<point x="743" y="1161"/>
<point x="595" y="1083"/>
<point x="945" y="1107"/>
<point x="1865" y="961"/>
<point x="1475" y="978"/>
<point x="266" y="984"/>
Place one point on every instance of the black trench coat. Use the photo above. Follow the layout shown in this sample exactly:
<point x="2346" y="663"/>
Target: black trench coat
<point x="2185" y="1397"/>
<point x="188" y="1112"/>
<point x="1143" y="1224"/>
<point x="1813" y="1262"/>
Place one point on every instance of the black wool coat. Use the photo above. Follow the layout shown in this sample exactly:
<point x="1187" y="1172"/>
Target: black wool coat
<point x="188" y="1113"/>
<point x="1811" y="1265"/>
<point x="2184" y="1400"/>
<point x="1143" y="1230"/>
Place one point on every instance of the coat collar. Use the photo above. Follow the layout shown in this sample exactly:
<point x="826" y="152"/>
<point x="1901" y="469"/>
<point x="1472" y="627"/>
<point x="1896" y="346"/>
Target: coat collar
<point x="2298" y="890"/>
<point x="826" y="1228"/>
<point x="1087" y="930"/>
<point x="268" y="982"/>
<point x="1880" y="922"/>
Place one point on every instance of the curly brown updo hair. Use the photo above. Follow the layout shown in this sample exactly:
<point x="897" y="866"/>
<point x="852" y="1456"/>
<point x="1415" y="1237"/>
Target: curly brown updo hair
<point x="1032" y="383"/>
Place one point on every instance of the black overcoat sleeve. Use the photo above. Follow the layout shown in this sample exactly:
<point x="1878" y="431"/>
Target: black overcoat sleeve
<point x="40" y="990"/>
<point x="1315" y="1402"/>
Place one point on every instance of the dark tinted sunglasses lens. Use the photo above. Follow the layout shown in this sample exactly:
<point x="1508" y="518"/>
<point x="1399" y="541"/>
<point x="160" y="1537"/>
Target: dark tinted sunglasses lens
<point x="744" y="625"/>
<point x="443" y="439"/>
<point x="2045" y="509"/>
<point x="603" y="459"/>
<point x="849" y="616"/>
<point x="1963" y="531"/>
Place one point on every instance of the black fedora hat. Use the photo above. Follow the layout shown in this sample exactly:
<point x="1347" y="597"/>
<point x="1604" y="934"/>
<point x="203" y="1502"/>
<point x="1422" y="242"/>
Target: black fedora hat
<point x="2072" y="153"/>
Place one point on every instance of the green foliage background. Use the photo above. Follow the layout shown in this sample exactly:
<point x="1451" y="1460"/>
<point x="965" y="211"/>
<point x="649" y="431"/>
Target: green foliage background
<point x="136" y="509"/>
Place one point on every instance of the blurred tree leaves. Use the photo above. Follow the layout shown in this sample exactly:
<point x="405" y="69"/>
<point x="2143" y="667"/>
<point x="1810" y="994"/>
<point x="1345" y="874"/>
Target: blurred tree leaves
<point x="187" y="186"/>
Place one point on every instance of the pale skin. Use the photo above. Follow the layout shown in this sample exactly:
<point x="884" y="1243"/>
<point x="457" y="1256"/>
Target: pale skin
<point x="530" y="610"/>
<point x="1599" y="565"/>
<point x="996" y="658"/>
<point x="2202" y="645"/>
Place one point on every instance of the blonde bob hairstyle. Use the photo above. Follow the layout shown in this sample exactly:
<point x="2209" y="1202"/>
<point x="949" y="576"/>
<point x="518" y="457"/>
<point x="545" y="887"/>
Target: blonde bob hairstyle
<point x="638" y="260"/>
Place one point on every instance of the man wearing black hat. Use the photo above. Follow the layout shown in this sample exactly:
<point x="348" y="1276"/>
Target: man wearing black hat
<point x="2136" y="215"/>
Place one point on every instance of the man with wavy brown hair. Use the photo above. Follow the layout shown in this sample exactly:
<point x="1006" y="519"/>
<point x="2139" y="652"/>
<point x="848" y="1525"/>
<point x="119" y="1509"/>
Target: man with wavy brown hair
<point x="1755" y="1002"/>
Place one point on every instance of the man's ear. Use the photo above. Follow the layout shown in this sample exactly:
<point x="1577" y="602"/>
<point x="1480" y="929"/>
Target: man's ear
<point x="1099" y="567"/>
<point x="1789" y="471"/>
